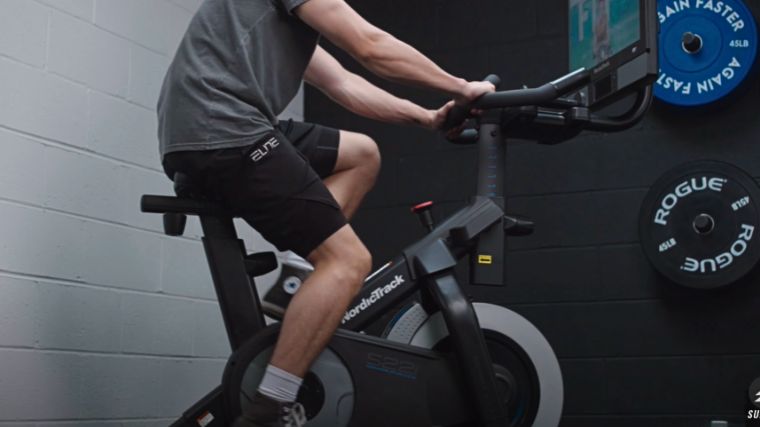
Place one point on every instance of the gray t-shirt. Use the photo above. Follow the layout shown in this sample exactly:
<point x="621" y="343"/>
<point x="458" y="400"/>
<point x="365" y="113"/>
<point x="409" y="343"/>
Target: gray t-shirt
<point x="238" y="66"/>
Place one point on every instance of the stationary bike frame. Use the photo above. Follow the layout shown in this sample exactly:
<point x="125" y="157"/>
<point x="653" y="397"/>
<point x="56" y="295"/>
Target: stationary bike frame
<point x="427" y="265"/>
<point x="478" y="230"/>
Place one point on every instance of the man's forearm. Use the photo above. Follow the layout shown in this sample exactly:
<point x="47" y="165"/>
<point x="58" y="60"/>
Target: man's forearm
<point x="365" y="99"/>
<point x="395" y="60"/>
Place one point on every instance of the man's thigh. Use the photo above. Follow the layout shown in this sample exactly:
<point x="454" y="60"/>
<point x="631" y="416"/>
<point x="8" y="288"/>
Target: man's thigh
<point x="281" y="196"/>
<point x="319" y="144"/>
<point x="330" y="150"/>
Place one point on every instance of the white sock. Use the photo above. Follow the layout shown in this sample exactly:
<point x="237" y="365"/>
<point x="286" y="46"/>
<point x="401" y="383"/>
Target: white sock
<point x="280" y="385"/>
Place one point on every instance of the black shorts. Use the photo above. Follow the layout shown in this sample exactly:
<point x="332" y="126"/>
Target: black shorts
<point x="276" y="182"/>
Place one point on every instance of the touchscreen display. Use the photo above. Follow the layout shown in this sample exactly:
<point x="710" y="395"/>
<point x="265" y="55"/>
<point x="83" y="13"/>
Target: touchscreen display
<point x="599" y="29"/>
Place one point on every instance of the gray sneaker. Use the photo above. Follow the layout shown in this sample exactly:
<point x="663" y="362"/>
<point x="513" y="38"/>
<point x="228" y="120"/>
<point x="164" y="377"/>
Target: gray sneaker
<point x="267" y="412"/>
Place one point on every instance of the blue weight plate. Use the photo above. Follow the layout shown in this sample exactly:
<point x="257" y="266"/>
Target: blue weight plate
<point x="707" y="49"/>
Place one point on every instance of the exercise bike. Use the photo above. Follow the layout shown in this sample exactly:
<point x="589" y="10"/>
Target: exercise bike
<point x="443" y="361"/>
<point x="421" y="377"/>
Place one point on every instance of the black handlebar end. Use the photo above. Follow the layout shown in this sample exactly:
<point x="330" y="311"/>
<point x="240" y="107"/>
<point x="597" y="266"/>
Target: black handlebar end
<point x="494" y="80"/>
<point x="460" y="113"/>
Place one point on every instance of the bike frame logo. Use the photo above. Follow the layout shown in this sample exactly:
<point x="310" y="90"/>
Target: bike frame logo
<point x="392" y="366"/>
<point x="374" y="297"/>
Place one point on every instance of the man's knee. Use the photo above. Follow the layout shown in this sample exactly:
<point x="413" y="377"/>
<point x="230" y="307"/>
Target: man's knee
<point x="352" y="266"/>
<point x="362" y="262"/>
<point x="345" y="258"/>
<point x="370" y="151"/>
<point x="361" y="151"/>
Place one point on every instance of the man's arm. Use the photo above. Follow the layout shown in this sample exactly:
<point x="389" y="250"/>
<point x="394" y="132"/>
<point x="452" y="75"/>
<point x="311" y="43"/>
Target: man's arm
<point x="382" y="53"/>
<point x="365" y="99"/>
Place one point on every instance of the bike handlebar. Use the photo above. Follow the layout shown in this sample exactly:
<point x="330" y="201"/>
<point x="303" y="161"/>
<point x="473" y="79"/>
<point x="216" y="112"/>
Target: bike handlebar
<point x="519" y="97"/>
<point x="459" y="113"/>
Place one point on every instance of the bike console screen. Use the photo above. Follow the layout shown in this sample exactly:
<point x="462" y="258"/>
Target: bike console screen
<point x="614" y="39"/>
<point x="599" y="29"/>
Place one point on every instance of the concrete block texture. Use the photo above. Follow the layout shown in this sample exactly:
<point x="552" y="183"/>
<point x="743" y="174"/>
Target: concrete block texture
<point x="209" y="337"/>
<point x="123" y="130"/>
<point x="77" y="318"/>
<point x="28" y="378"/>
<point x="42" y="104"/>
<point x="87" y="54"/>
<point x="24" y="32"/>
<point x="19" y="311"/>
<point x="104" y="320"/>
<point x="157" y="25"/>
<point x="19" y="181"/>
<point x="81" y="8"/>
<point x="82" y="184"/>
<point x="42" y="243"/>
<point x="146" y="74"/>
<point x="157" y="325"/>
<point x="184" y="269"/>
<point x="122" y="257"/>
<point x="81" y="386"/>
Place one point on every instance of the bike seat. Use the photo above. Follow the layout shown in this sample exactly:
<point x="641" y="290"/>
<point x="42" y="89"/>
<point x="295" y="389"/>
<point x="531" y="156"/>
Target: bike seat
<point x="190" y="200"/>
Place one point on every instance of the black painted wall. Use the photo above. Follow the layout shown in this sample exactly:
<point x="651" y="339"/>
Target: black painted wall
<point x="635" y="350"/>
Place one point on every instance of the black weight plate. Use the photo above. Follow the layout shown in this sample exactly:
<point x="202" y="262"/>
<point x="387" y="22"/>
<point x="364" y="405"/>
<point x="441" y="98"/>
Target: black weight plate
<point x="699" y="224"/>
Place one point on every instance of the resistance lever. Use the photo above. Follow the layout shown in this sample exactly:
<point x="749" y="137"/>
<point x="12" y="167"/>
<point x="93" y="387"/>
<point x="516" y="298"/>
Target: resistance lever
<point x="425" y="214"/>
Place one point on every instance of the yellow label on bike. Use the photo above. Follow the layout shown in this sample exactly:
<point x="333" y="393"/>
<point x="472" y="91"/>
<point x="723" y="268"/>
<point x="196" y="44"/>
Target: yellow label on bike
<point x="485" y="259"/>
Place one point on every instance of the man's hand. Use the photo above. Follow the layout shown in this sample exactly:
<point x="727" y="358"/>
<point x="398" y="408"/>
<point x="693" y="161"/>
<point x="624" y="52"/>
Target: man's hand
<point x="473" y="90"/>
<point x="438" y="117"/>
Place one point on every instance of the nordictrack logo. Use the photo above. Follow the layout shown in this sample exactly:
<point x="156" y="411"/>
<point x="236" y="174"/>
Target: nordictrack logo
<point x="266" y="148"/>
<point x="374" y="297"/>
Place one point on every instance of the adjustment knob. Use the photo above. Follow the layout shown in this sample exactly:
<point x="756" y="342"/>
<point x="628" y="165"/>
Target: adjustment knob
<point x="424" y="212"/>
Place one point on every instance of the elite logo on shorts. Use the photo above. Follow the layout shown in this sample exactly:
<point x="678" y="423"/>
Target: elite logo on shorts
<point x="266" y="148"/>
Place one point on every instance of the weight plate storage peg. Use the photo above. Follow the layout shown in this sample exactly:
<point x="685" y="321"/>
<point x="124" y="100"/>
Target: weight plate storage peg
<point x="699" y="224"/>
<point x="707" y="49"/>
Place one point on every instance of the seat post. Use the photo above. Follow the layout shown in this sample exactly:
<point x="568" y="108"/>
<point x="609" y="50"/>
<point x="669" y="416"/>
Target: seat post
<point x="237" y="296"/>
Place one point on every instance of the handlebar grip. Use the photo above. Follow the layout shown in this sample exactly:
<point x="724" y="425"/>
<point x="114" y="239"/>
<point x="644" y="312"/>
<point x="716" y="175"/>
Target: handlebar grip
<point x="494" y="80"/>
<point x="456" y="116"/>
<point x="459" y="113"/>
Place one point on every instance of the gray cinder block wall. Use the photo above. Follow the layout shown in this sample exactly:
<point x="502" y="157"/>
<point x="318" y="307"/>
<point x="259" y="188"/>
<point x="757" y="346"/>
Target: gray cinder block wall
<point x="104" y="321"/>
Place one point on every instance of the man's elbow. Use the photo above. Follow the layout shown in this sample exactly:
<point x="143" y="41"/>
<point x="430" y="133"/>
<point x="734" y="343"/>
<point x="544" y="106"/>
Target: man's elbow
<point x="372" y="48"/>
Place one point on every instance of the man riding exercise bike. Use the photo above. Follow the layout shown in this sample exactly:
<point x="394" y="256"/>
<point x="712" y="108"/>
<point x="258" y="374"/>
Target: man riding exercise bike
<point x="240" y="63"/>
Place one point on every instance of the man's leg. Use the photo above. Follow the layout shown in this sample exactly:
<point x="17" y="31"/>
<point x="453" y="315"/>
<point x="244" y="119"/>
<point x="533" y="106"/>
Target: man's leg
<point x="355" y="171"/>
<point x="299" y="212"/>
<point x="340" y="265"/>
<point x="341" y="262"/>
<point x="348" y="177"/>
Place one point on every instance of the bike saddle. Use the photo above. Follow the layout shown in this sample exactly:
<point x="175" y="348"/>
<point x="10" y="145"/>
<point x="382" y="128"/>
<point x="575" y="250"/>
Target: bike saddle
<point x="191" y="200"/>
